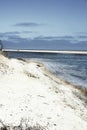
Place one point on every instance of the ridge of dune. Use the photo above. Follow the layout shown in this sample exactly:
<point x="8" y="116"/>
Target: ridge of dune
<point x="32" y="96"/>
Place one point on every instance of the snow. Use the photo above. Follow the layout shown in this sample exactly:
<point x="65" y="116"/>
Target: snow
<point x="30" y="93"/>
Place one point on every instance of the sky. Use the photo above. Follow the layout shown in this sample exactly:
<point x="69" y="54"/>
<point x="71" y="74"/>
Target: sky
<point x="57" y="24"/>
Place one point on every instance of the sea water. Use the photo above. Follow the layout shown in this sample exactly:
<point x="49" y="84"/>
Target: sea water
<point x="70" y="67"/>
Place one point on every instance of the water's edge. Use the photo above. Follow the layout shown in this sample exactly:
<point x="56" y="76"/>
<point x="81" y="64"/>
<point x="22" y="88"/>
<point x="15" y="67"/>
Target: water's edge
<point x="70" y="67"/>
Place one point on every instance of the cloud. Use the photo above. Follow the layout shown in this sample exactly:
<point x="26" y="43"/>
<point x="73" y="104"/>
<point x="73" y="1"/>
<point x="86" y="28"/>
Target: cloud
<point x="16" y="40"/>
<point x="27" y="24"/>
<point x="81" y="33"/>
<point x="15" y="35"/>
<point x="55" y="38"/>
<point x="83" y="36"/>
<point x="12" y="33"/>
<point x="6" y="34"/>
<point x="25" y="43"/>
<point x="26" y="32"/>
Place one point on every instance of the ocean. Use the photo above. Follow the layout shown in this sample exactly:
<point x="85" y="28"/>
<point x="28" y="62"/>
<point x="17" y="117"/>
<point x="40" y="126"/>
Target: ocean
<point x="70" y="67"/>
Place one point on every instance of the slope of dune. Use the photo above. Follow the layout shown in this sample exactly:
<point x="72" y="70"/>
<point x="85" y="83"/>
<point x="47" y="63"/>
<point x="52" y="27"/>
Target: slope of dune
<point x="32" y="98"/>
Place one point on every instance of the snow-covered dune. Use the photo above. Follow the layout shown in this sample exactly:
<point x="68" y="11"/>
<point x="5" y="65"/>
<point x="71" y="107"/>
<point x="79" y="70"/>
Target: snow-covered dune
<point x="31" y="97"/>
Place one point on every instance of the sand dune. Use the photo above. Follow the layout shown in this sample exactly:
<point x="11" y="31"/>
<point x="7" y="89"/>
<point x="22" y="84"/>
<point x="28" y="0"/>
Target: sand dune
<point x="33" y="98"/>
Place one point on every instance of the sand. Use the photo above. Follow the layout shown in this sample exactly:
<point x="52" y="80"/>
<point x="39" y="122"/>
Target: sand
<point x="34" y="98"/>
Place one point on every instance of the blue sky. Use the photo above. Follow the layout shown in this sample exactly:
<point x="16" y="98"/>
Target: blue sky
<point x="45" y="20"/>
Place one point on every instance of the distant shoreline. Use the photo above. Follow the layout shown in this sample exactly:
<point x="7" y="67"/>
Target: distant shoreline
<point x="45" y="51"/>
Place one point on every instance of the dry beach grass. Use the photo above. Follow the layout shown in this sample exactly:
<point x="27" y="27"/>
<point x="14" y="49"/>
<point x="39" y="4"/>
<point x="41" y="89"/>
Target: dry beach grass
<point x="32" y="98"/>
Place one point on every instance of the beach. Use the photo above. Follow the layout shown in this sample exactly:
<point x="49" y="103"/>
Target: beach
<point x="31" y="97"/>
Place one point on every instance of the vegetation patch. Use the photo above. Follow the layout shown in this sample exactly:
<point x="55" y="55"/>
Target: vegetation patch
<point x="22" y="126"/>
<point x="30" y="75"/>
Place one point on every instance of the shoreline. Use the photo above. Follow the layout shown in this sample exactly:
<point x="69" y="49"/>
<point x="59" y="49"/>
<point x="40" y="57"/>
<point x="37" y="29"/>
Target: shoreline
<point x="56" y="77"/>
<point x="32" y="97"/>
<point x="46" y="51"/>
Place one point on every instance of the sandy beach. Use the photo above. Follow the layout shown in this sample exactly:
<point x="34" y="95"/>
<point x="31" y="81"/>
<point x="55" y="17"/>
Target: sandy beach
<point x="32" y="98"/>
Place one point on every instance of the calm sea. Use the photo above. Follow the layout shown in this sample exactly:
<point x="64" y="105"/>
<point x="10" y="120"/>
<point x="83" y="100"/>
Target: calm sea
<point x="70" y="67"/>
